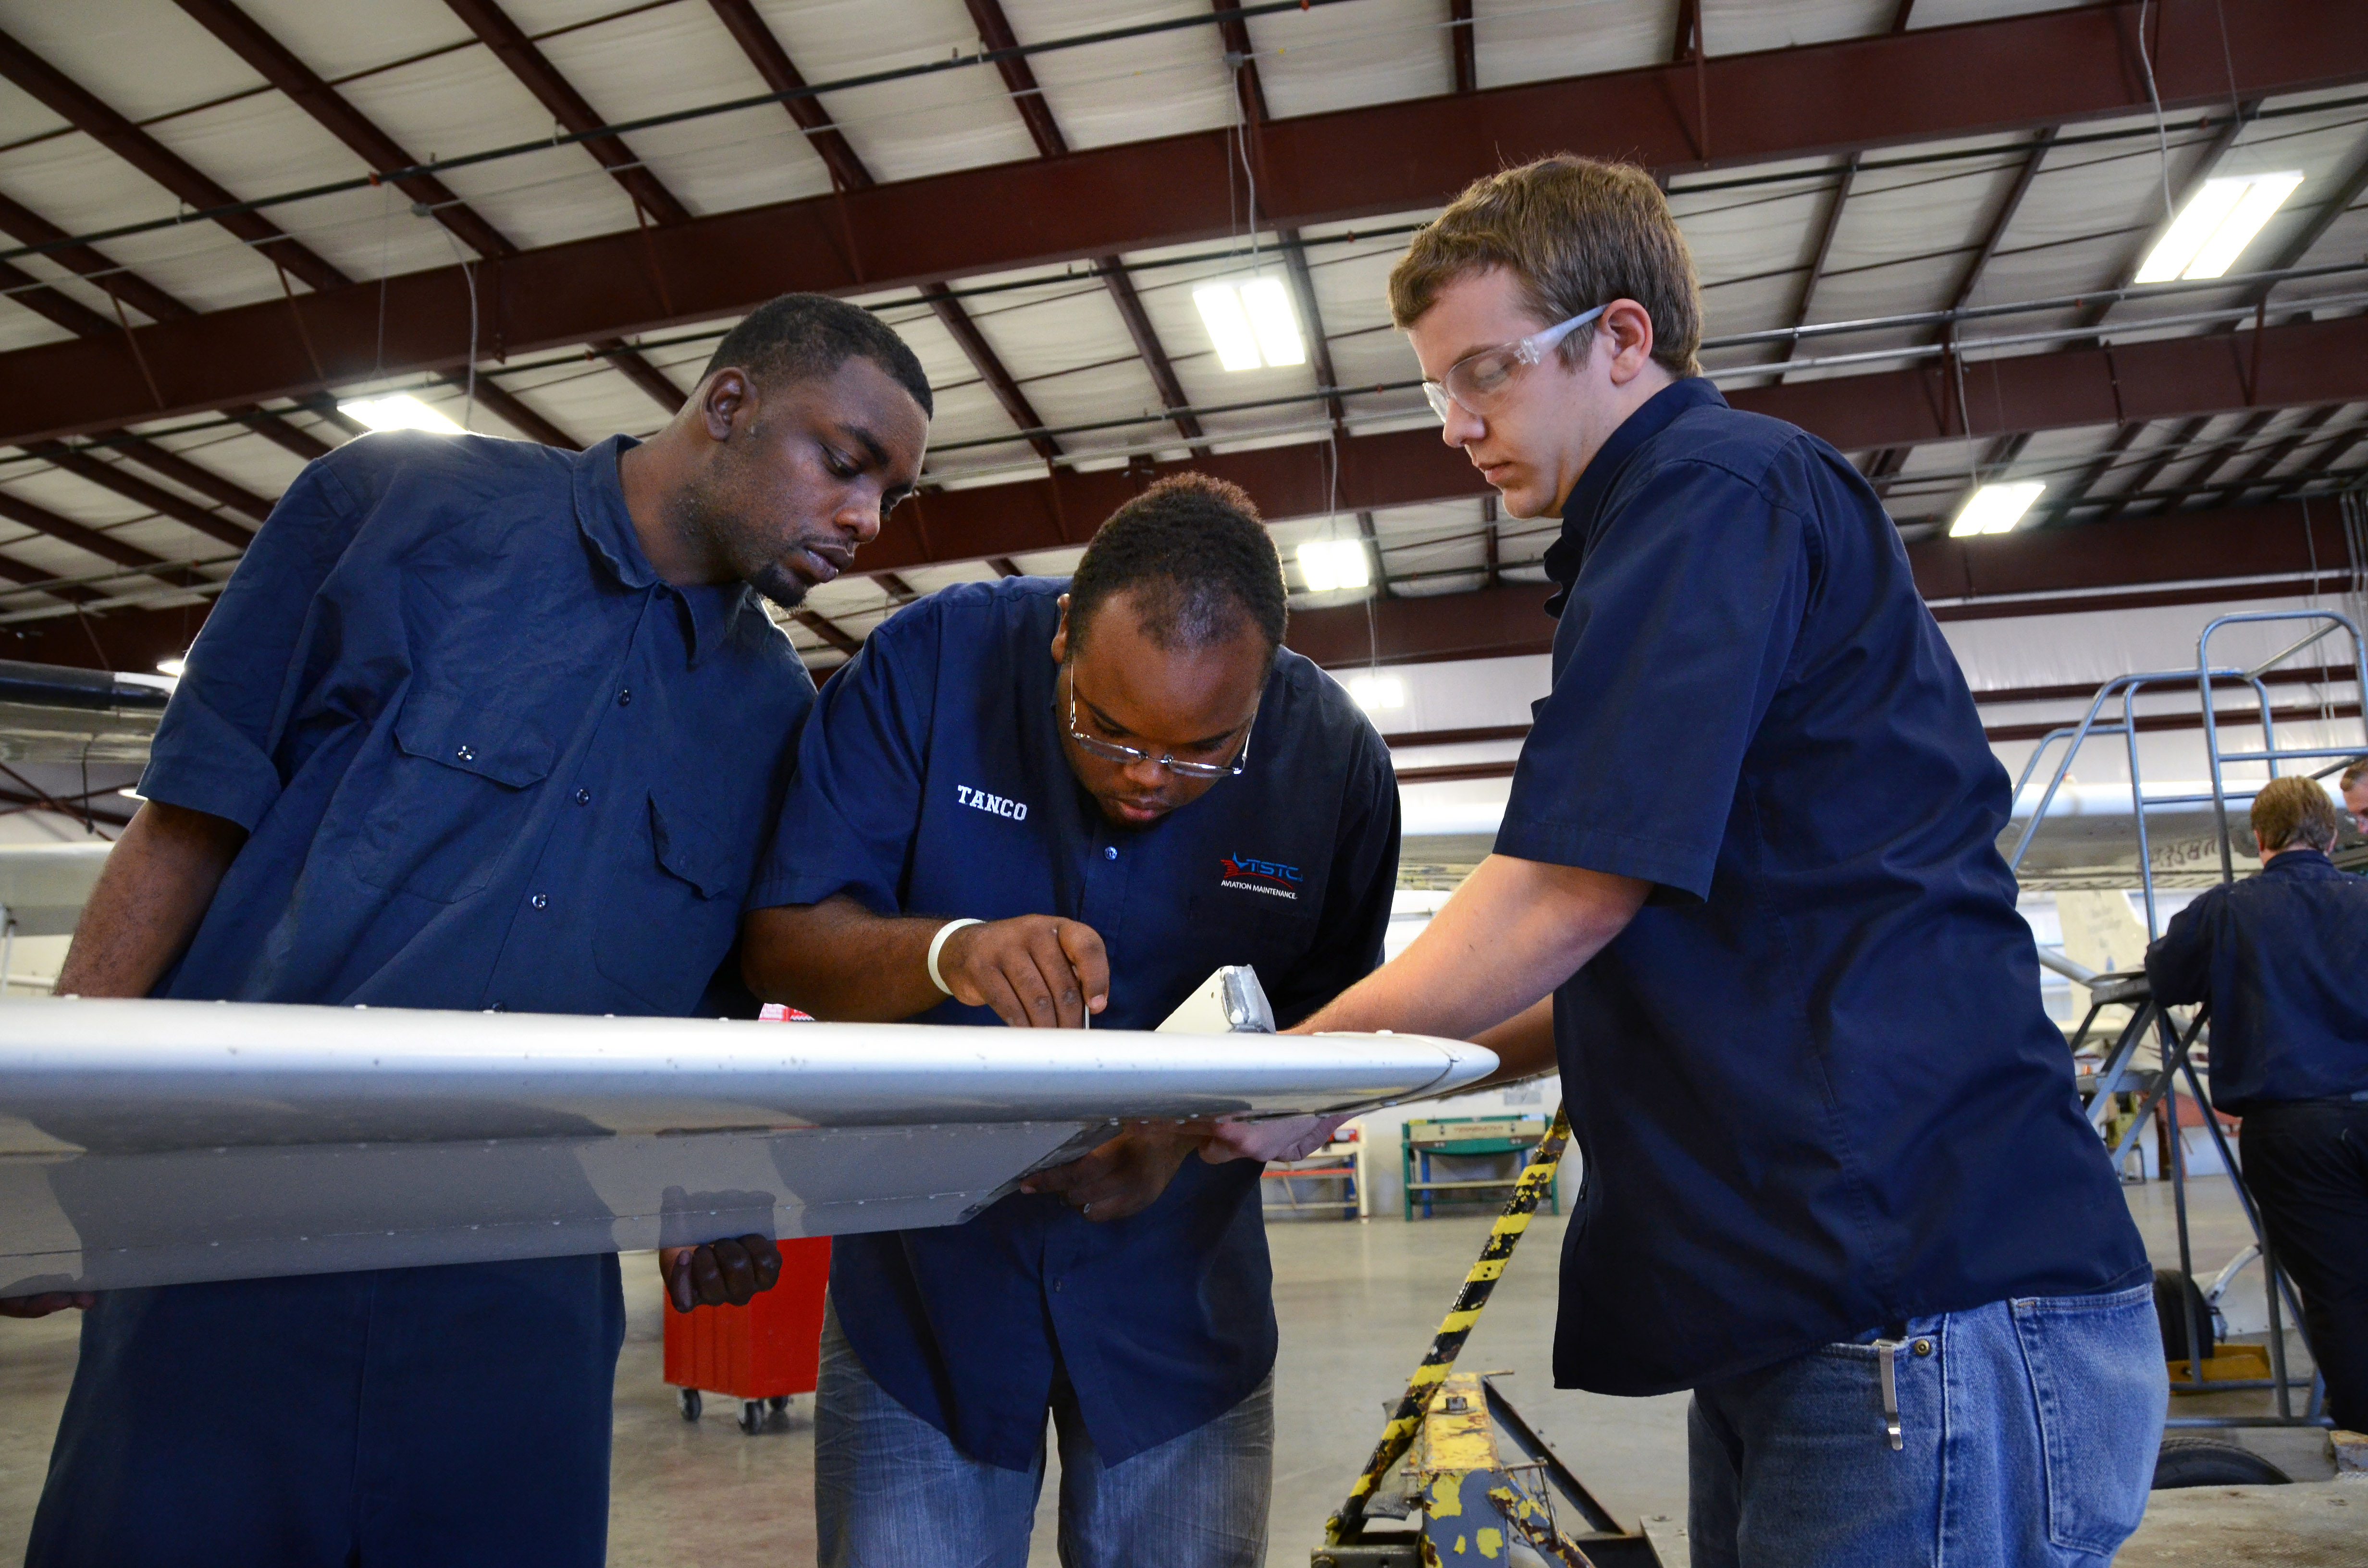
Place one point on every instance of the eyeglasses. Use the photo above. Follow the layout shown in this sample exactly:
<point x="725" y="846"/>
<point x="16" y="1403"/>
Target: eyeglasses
<point x="1110" y="751"/>
<point x="1477" y="380"/>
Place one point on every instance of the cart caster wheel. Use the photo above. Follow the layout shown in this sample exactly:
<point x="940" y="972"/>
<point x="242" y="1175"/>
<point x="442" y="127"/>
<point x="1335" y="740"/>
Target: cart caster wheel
<point x="752" y="1416"/>
<point x="688" y="1402"/>
<point x="779" y="1405"/>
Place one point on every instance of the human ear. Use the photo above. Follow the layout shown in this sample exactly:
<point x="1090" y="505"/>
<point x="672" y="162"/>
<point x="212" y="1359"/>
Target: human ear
<point x="1061" y="636"/>
<point x="728" y="400"/>
<point x="1630" y="327"/>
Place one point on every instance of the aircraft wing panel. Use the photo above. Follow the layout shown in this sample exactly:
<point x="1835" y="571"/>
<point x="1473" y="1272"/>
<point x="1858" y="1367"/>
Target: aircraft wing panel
<point x="152" y="1142"/>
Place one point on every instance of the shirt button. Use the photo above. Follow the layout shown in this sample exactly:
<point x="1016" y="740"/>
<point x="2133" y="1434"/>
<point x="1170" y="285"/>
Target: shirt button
<point x="540" y="900"/>
<point x="583" y="797"/>
<point x="625" y="698"/>
<point x="467" y="753"/>
<point x="1109" y="851"/>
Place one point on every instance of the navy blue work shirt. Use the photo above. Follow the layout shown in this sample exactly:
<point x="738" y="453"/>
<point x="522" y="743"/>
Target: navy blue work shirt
<point x="485" y="756"/>
<point x="932" y="781"/>
<point x="2282" y="958"/>
<point x="1812" y="1080"/>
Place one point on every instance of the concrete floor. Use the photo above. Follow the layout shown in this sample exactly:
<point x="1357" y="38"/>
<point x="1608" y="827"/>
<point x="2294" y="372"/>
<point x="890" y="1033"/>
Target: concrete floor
<point x="1357" y="1302"/>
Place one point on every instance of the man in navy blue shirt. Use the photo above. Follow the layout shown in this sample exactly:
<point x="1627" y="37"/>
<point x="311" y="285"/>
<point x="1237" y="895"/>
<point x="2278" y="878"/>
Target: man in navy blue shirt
<point x="1027" y="802"/>
<point x="2281" y="957"/>
<point x="475" y="725"/>
<point x="1836" y="1178"/>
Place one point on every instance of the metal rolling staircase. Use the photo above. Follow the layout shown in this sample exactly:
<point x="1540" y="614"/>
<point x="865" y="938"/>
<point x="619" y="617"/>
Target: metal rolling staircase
<point x="2122" y="1093"/>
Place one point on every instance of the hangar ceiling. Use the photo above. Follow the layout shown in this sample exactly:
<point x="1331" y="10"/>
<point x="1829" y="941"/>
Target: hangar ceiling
<point x="1917" y="223"/>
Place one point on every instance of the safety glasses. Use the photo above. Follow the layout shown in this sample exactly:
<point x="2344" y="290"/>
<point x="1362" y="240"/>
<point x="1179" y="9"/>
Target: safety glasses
<point x="1477" y="381"/>
<point x="1112" y="751"/>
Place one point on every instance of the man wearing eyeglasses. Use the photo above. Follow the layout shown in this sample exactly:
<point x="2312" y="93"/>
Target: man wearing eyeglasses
<point x="1036" y="803"/>
<point x="1837" y="1182"/>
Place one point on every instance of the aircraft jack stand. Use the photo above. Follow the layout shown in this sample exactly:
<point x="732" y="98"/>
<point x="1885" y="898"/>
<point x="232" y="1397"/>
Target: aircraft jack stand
<point x="1464" y="1502"/>
<point x="1477" y="1510"/>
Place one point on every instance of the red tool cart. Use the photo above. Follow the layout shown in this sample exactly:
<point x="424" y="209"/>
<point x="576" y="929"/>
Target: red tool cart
<point x="760" y="1354"/>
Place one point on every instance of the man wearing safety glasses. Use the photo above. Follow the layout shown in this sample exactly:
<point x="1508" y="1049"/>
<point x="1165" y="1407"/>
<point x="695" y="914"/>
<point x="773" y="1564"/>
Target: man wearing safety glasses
<point x="1747" y="897"/>
<point x="1038" y="802"/>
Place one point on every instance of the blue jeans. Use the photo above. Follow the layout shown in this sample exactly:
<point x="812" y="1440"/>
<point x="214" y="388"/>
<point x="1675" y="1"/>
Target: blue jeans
<point x="454" y="1415"/>
<point x="891" y="1491"/>
<point x="2027" y="1432"/>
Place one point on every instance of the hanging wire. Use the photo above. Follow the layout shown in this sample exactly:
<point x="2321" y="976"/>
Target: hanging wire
<point x="2161" y="127"/>
<point x="469" y="271"/>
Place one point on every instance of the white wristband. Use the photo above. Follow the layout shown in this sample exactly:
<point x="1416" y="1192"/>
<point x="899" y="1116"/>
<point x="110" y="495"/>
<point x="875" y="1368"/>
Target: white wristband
<point x="938" y="945"/>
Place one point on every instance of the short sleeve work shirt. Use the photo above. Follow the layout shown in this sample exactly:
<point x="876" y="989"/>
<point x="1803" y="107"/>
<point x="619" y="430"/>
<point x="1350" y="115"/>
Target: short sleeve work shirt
<point x="486" y="757"/>
<point x="2282" y="958"/>
<point x="932" y="781"/>
<point x="1813" y="1081"/>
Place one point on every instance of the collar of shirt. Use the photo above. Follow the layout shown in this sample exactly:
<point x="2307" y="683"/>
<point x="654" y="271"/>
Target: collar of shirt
<point x="2302" y="861"/>
<point x="608" y="528"/>
<point x="1578" y="513"/>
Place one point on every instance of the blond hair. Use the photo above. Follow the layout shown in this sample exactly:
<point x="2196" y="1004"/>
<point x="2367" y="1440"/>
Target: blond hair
<point x="1577" y="233"/>
<point x="2294" y="811"/>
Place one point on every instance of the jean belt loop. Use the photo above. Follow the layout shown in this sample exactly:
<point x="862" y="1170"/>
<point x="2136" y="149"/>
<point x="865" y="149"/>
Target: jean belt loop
<point x="1884" y="1351"/>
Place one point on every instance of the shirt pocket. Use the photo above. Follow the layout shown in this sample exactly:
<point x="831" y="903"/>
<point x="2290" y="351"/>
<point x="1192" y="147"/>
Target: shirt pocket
<point x="1272" y="934"/>
<point x="457" y="794"/>
<point x="678" y="903"/>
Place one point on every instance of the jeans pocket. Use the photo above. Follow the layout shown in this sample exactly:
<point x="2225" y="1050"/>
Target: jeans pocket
<point x="2097" y="1377"/>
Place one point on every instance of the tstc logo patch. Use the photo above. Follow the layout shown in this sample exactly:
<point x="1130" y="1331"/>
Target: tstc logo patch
<point x="1269" y="877"/>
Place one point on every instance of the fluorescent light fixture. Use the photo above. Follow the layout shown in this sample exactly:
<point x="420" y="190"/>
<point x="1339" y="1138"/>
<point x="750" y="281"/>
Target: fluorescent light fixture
<point x="177" y="669"/>
<point x="1330" y="563"/>
<point x="1252" y="325"/>
<point x="2215" y="225"/>
<point x="1994" y="509"/>
<point x="1374" y="693"/>
<point x="1268" y="304"/>
<point x="1229" y="326"/>
<point x="397" y="410"/>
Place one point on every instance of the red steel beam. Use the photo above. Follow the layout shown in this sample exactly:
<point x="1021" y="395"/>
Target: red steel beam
<point x="2009" y="75"/>
<point x="133" y="488"/>
<point x="514" y="48"/>
<point x="1243" y="60"/>
<point x="2306" y="364"/>
<point x="106" y="546"/>
<point x="772" y="62"/>
<point x="80" y="109"/>
<point x="47" y="302"/>
<point x="2190" y="558"/>
<point x="1147" y="345"/>
<point x="29" y="227"/>
<point x="135" y="292"/>
<point x="278" y="65"/>
<point x="990" y="367"/>
<point x="1020" y="77"/>
<point x="181" y="470"/>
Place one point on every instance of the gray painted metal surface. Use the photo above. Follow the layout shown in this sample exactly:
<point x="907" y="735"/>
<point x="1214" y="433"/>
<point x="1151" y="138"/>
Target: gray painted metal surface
<point x="150" y="1142"/>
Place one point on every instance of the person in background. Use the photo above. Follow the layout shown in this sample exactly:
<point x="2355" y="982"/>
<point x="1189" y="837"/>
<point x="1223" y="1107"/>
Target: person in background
<point x="1837" y="1182"/>
<point x="2280" y="958"/>
<point x="2354" y="784"/>
<point x="475" y="725"/>
<point x="1025" y="802"/>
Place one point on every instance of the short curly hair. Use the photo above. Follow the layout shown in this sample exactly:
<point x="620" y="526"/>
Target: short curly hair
<point x="1196" y="556"/>
<point x="796" y="337"/>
